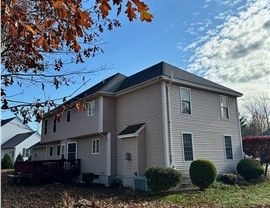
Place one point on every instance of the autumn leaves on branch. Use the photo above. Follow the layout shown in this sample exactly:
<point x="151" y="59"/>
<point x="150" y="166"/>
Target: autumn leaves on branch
<point x="37" y="34"/>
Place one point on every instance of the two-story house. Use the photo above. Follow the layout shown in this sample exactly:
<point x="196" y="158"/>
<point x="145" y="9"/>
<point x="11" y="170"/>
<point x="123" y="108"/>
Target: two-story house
<point x="162" y="115"/>
<point x="17" y="138"/>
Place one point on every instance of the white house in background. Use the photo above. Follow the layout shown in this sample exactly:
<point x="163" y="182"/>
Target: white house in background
<point x="17" y="138"/>
<point x="162" y="116"/>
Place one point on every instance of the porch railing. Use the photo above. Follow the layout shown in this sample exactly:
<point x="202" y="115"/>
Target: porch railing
<point x="48" y="168"/>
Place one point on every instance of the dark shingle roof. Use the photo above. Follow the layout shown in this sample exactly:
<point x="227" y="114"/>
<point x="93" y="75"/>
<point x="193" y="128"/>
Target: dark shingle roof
<point x="164" y="69"/>
<point x="108" y="85"/>
<point x="38" y="145"/>
<point x="5" y="121"/>
<point x="131" y="129"/>
<point x="119" y="82"/>
<point x="17" y="139"/>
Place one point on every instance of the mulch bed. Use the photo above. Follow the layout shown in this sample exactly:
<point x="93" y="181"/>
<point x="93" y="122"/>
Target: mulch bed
<point x="51" y="195"/>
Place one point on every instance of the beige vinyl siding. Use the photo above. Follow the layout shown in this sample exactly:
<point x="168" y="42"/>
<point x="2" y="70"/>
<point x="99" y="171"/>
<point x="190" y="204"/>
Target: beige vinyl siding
<point x="109" y="125"/>
<point x="94" y="163"/>
<point x="143" y="106"/>
<point x="79" y="125"/>
<point x="38" y="154"/>
<point x="54" y="155"/>
<point x="207" y="129"/>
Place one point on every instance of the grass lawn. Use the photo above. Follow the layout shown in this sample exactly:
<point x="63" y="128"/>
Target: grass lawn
<point x="221" y="195"/>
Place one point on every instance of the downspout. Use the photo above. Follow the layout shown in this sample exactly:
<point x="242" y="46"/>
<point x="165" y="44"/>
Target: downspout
<point x="169" y="122"/>
<point x="165" y="124"/>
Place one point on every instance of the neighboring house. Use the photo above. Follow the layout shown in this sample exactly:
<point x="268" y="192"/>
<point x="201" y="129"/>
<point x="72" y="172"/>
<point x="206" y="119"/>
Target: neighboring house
<point x="159" y="116"/>
<point x="17" y="138"/>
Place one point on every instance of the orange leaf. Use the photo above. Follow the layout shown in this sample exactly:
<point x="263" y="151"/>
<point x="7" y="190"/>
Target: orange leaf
<point x="45" y="45"/>
<point x="104" y="8"/>
<point x="146" y="16"/>
<point x="76" y="46"/>
<point x="12" y="30"/>
<point x="130" y="11"/>
<point x="30" y="29"/>
<point x="57" y="4"/>
<point x="39" y="42"/>
<point x="39" y="27"/>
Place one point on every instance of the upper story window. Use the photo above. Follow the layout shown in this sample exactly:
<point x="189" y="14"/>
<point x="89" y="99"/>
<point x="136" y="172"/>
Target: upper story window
<point x="91" y="108"/>
<point x="45" y="126"/>
<point x="95" y="146"/>
<point x="187" y="147"/>
<point x="68" y="116"/>
<point x="54" y="125"/>
<point x="185" y="100"/>
<point x="224" y="109"/>
<point x="228" y="147"/>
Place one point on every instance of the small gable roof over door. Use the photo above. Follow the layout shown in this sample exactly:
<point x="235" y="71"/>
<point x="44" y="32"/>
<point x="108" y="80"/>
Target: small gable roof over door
<point x="131" y="131"/>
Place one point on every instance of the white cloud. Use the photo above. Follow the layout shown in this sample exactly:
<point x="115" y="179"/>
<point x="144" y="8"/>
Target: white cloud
<point x="237" y="52"/>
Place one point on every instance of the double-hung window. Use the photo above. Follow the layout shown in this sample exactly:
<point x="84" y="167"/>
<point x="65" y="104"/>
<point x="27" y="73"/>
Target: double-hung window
<point x="95" y="146"/>
<point x="185" y="100"/>
<point x="58" y="150"/>
<point x="91" y="108"/>
<point x="224" y="109"/>
<point x="187" y="146"/>
<point x="51" y="151"/>
<point x="26" y="152"/>
<point x="68" y="116"/>
<point x="54" y="125"/>
<point x="228" y="147"/>
<point x="71" y="150"/>
<point x="45" y="126"/>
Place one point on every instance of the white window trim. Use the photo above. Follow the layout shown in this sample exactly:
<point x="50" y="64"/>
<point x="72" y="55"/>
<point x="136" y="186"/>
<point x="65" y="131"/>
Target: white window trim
<point x="51" y="146"/>
<point x="76" y="149"/>
<point x="224" y="145"/>
<point x="95" y="153"/>
<point x="186" y="114"/>
<point x="220" y="109"/>
<point x="183" y="151"/>
<point x="69" y="116"/>
<point x="93" y="101"/>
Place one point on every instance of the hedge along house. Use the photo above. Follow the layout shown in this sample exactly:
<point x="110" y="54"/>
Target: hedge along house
<point x="159" y="116"/>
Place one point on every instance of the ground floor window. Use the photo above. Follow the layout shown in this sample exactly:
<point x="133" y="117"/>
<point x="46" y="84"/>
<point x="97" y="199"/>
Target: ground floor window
<point x="26" y="152"/>
<point x="72" y="150"/>
<point x="51" y="151"/>
<point x="58" y="150"/>
<point x="95" y="146"/>
<point x="228" y="147"/>
<point x="187" y="146"/>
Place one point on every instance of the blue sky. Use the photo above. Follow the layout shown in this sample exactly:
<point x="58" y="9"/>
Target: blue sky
<point x="225" y="41"/>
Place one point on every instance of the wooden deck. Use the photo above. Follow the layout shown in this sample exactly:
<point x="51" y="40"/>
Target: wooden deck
<point x="47" y="169"/>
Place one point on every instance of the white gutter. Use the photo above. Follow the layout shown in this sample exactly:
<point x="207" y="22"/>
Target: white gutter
<point x="170" y="121"/>
<point x="165" y="124"/>
<point x="108" y="157"/>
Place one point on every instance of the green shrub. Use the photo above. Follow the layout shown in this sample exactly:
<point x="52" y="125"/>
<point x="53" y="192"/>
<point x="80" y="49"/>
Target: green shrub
<point x="228" y="178"/>
<point x="19" y="158"/>
<point x="6" y="162"/>
<point x="88" y="177"/>
<point x="249" y="169"/>
<point x="202" y="173"/>
<point x="115" y="182"/>
<point x="162" y="179"/>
